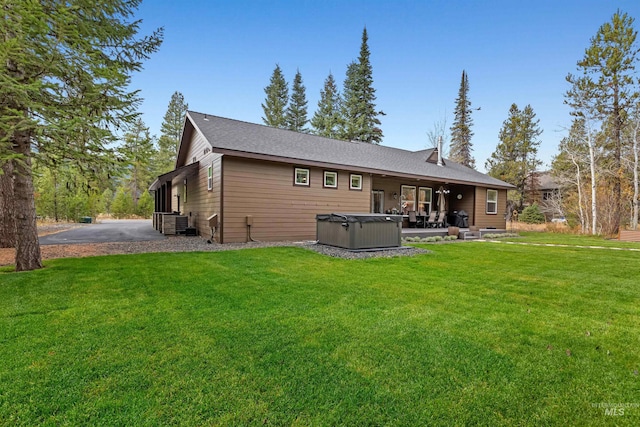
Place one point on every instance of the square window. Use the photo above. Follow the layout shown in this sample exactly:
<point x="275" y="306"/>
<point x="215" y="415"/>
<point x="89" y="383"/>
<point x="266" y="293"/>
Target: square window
<point x="330" y="179"/>
<point x="301" y="176"/>
<point x="492" y="201"/>
<point x="355" y="183"/>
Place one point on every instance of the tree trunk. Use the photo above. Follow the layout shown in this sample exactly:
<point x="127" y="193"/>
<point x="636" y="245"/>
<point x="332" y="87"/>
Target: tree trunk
<point x="7" y="215"/>
<point x="634" y="218"/>
<point x="617" y="183"/>
<point x="594" y="184"/>
<point x="27" y="245"/>
<point x="583" y="224"/>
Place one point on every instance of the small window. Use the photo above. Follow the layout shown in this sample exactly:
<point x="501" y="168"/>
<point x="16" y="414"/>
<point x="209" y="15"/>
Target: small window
<point x="184" y="192"/>
<point x="210" y="177"/>
<point x="355" y="182"/>
<point x="330" y="179"/>
<point x="492" y="201"/>
<point x="301" y="176"/>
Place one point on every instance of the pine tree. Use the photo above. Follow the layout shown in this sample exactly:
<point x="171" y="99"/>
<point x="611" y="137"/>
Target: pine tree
<point x="607" y="90"/>
<point x="461" y="146"/>
<point x="275" y="104"/>
<point x="171" y="132"/>
<point x="137" y="151"/>
<point x="361" y="121"/>
<point x="64" y="192"/>
<point x="296" y="114"/>
<point x="327" y="120"/>
<point x="515" y="158"/>
<point x="122" y="205"/>
<point x="144" y="208"/>
<point x="350" y="102"/>
<point x="65" y="70"/>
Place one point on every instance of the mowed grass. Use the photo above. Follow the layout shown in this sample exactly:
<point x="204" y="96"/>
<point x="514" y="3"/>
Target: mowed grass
<point x="571" y="239"/>
<point x="471" y="334"/>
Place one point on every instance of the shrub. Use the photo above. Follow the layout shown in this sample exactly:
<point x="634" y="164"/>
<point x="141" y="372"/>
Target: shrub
<point x="498" y="235"/>
<point x="532" y="215"/>
<point x="145" y="205"/>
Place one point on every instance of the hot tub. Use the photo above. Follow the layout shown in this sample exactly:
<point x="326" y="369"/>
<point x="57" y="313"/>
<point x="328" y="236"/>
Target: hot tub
<point x="359" y="231"/>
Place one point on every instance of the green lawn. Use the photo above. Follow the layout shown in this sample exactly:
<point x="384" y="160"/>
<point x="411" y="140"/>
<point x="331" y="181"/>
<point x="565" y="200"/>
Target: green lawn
<point x="572" y="239"/>
<point x="471" y="334"/>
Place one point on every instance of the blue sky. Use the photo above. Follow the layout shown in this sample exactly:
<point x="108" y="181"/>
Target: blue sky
<point x="220" y="56"/>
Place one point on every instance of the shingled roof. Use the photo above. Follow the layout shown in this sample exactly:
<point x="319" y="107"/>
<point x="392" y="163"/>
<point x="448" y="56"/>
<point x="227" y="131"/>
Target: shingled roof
<point x="234" y="137"/>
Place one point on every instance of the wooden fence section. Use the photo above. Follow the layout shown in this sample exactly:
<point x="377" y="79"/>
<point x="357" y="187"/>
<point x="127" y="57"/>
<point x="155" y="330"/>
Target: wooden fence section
<point x="629" y="235"/>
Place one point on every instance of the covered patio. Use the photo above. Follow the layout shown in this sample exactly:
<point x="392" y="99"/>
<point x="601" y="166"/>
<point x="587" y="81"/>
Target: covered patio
<point x="393" y="195"/>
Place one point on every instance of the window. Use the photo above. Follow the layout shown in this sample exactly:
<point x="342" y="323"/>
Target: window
<point x="330" y="179"/>
<point x="210" y="177"/>
<point x="301" y="176"/>
<point x="424" y="199"/>
<point x="355" y="182"/>
<point x="184" y="192"/>
<point x="408" y="199"/>
<point x="378" y="201"/>
<point x="492" y="201"/>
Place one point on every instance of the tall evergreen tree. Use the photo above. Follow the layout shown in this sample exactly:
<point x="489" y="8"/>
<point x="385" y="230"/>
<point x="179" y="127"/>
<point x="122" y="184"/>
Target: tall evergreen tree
<point x="296" y="114"/>
<point x="171" y="132"/>
<point x="137" y="150"/>
<point x="461" y="146"/>
<point x="350" y="100"/>
<point x="607" y="87"/>
<point x="65" y="70"/>
<point x="515" y="158"/>
<point x="275" y="104"/>
<point x="361" y="122"/>
<point x="326" y="120"/>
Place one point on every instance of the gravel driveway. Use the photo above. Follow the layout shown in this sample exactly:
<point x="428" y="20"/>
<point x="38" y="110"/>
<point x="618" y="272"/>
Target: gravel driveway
<point x="106" y="238"/>
<point x="107" y="231"/>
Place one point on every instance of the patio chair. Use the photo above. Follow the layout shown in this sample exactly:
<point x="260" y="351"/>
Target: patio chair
<point x="442" y="219"/>
<point x="413" y="220"/>
<point x="431" y="221"/>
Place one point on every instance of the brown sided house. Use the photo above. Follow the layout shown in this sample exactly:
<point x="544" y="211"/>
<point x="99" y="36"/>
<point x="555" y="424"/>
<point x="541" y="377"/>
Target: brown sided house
<point x="268" y="184"/>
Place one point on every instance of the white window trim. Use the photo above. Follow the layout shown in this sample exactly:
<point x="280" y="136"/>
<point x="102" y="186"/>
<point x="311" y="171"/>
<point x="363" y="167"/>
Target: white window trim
<point x="295" y="176"/>
<point x="494" y="202"/>
<point x="351" y="186"/>
<point x="327" y="174"/>
<point x="210" y="177"/>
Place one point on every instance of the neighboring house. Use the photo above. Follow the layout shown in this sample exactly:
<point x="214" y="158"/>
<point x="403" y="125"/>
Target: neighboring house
<point x="269" y="184"/>
<point x="544" y="190"/>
